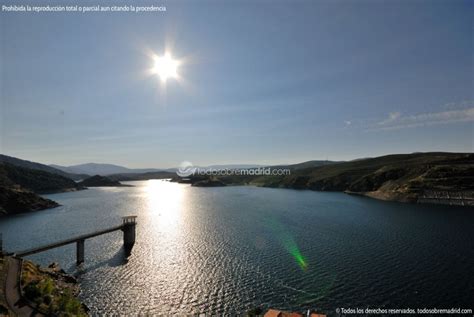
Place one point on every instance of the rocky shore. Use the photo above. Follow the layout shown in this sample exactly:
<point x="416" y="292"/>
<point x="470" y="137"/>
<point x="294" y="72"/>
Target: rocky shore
<point x="51" y="291"/>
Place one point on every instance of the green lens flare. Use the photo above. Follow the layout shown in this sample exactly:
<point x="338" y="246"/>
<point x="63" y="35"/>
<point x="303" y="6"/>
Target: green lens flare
<point x="324" y="281"/>
<point x="288" y="242"/>
<point x="291" y="246"/>
<point x="299" y="258"/>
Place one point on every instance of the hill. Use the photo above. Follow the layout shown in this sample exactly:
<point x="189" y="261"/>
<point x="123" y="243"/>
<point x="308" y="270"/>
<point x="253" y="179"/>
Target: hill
<point x="17" y="200"/>
<point x="19" y="188"/>
<point x="307" y="164"/>
<point x="101" y="169"/>
<point x="100" y="181"/>
<point x="434" y="177"/>
<point x="142" y="176"/>
<point x="118" y="171"/>
<point x="37" y="181"/>
<point x="417" y="177"/>
<point x="38" y="166"/>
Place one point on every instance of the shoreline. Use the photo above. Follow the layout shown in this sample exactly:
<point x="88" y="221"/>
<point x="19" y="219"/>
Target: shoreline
<point x="451" y="198"/>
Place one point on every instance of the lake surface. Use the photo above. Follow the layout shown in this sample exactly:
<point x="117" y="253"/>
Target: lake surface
<point x="225" y="250"/>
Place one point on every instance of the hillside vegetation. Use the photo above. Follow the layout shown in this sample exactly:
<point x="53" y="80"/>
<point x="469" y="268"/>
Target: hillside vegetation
<point x="51" y="291"/>
<point x="37" y="181"/>
<point x="402" y="177"/>
<point x="40" y="167"/>
<point x="19" y="188"/>
<point x="418" y="177"/>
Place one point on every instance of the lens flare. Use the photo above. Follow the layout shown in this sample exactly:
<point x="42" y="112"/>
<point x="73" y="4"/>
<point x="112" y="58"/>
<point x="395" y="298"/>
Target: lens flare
<point x="295" y="252"/>
<point x="323" y="278"/>
<point x="288" y="242"/>
<point x="290" y="245"/>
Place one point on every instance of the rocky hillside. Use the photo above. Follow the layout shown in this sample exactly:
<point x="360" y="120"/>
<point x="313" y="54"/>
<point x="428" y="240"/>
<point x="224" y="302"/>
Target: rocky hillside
<point x="51" y="291"/>
<point x="19" y="188"/>
<point x="402" y="177"/>
<point x="446" y="178"/>
<point x="40" y="167"/>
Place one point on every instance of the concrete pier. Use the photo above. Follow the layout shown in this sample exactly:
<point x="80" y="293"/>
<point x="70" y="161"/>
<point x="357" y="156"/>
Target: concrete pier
<point x="128" y="227"/>
<point x="129" y="224"/>
<point x="80" y="251"/>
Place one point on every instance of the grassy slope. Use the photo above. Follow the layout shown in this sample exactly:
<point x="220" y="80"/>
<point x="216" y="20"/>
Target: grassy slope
<point x="401" y="177"/>
<point x="397" y="177"/>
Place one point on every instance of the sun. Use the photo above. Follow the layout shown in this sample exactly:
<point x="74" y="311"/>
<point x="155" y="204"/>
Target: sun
<point x="166" y="67"/>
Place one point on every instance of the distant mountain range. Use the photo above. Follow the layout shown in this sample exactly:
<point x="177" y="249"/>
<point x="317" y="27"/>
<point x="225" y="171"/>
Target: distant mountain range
<point x="232" y="166"/>
<point x="42" y="167"/>
<point x="433" y="177"/>
<point x="101" y="169"/>
<point x="307" y="164"/>
<point x="112" y="169"/>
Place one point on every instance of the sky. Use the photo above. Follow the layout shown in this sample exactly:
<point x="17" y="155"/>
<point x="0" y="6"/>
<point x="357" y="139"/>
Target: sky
<point x="260" y="82"/>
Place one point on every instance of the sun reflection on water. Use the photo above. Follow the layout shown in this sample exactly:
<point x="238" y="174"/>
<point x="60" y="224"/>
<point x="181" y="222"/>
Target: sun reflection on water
<point x="165" y="203"/>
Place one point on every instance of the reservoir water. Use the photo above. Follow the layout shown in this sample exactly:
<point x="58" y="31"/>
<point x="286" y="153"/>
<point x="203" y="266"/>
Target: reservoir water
<point x="225" y="250"/>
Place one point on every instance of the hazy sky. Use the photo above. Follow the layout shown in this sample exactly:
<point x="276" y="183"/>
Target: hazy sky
<point x="262" y="82"/>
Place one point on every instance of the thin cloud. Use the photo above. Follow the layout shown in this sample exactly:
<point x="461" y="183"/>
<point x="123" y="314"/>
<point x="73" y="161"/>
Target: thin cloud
<point x="392" y="116"/>
<point x="396" y="120"/>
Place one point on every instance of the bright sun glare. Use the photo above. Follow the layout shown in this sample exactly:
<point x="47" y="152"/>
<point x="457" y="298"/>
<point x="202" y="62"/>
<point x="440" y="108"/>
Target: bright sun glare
<point x="166" y="67"/>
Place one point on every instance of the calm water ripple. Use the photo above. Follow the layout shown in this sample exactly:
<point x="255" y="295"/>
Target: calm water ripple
<point x="225" y="250"/>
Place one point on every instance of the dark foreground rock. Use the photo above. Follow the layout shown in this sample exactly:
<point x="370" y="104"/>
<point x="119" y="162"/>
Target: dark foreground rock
<point x="16" y="200"/>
